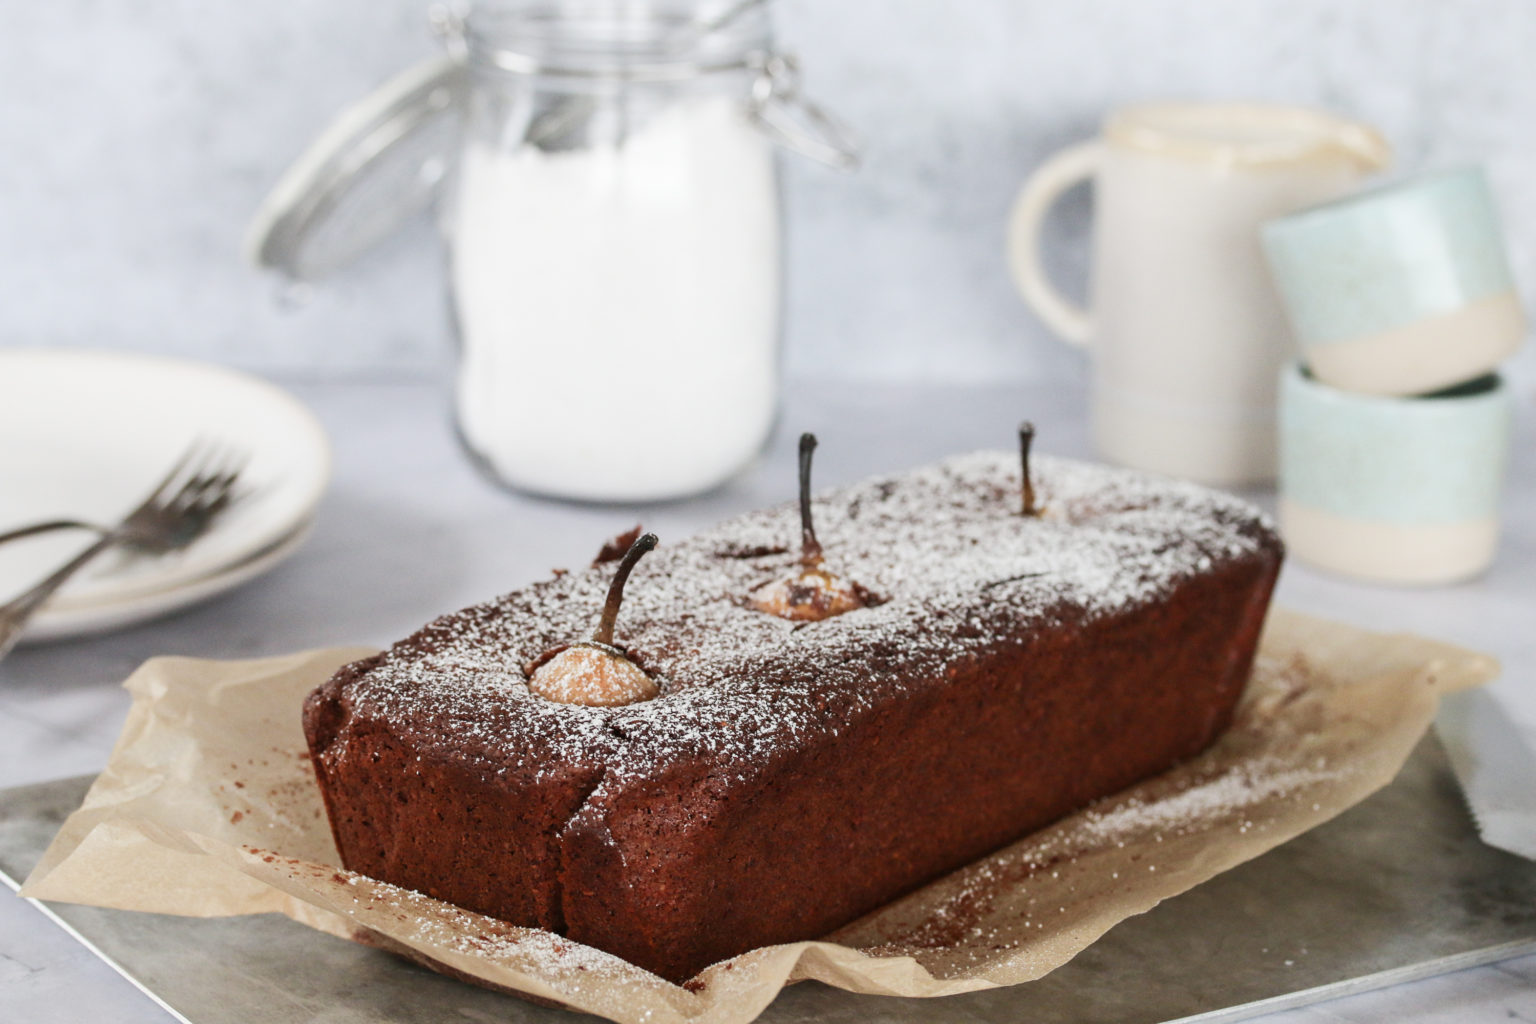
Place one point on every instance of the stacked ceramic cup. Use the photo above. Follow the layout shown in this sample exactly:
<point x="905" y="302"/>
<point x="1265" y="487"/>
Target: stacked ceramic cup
<point x="1395" y="425"/>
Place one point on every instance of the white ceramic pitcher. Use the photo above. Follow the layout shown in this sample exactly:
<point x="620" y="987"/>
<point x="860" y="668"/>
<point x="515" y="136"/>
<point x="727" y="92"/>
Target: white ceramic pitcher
<point x="1186" y="332"/>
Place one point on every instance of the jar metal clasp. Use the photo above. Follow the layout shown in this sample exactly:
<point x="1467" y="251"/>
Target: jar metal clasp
<point x="795" y="122"/>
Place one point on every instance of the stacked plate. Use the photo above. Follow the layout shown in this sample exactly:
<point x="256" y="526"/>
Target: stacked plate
<point x="89" y="434"/>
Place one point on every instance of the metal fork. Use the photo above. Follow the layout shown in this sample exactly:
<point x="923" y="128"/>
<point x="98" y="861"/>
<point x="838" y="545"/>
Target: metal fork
<point x="181" y="508"/>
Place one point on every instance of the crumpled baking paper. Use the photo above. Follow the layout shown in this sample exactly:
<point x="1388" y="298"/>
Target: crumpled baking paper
<point x="208" y="807"/>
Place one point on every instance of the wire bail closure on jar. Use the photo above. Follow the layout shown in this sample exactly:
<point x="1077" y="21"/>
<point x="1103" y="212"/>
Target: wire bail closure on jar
<point x="446" y="21"/>
<point x="776" y="97"/>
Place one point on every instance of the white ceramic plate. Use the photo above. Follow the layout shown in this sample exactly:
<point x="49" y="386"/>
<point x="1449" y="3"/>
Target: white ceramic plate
<point x="86" y="435"/>
<point x="54" y="624"/>
<point x="57" y="623"/>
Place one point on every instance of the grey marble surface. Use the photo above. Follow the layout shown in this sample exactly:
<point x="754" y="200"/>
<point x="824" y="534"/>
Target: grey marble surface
<point x="408" y="531"/>
<point x="137" y="139"/>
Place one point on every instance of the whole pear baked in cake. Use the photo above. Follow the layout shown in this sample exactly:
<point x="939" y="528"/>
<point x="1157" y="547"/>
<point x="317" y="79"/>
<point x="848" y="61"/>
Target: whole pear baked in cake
<point x="810" y="592"/>
<point x="595" y="673"/>
<point x="791" y="773"/>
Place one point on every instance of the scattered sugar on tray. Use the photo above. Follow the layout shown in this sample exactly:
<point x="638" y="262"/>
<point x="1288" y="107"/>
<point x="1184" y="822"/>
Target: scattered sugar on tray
<point x="1222" y="797"/>
<point x="544" y="953"/>
<point x="1195" y="804"/>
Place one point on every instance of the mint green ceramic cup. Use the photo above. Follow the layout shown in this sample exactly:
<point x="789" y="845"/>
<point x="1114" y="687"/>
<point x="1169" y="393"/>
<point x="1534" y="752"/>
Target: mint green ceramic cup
<point x="1401" y="290"/>
<point x="1393" y="490"/>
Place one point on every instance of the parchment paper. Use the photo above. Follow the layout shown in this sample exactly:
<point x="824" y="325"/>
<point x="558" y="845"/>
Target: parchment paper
<point x="208" y="807"/>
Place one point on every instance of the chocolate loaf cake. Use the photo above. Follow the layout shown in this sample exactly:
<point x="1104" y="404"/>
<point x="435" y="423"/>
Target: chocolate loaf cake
<point x="792" y="776"/>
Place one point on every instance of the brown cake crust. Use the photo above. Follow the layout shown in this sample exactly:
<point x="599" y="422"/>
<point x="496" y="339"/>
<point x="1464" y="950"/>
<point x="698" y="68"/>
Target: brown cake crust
<point x="794" y="776"/>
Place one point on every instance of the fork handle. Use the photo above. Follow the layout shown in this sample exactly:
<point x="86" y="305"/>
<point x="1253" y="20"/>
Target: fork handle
<point x="15" y="614"/>
<point x="49" y="527"/>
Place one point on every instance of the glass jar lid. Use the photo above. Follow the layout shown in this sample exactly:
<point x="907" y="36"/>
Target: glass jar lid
<point x="379" y="164"/>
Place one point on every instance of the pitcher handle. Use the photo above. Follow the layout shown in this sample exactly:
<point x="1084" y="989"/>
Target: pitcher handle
<point x="1067" y="168"/>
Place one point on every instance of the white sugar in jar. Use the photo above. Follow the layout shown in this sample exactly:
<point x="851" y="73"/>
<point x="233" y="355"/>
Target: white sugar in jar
<point x="614" y="242"/>
<point x="618" y="307"/>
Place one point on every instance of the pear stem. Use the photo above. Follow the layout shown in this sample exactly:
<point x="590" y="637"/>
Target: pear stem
<point x="810" y="547"/>
<point x="1026" y="438"/>
<point x="642" y="544"/>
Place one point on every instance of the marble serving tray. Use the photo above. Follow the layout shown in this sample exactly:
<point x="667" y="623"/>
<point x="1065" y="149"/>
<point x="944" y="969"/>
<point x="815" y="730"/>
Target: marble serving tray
<point x="1395" y="889"/>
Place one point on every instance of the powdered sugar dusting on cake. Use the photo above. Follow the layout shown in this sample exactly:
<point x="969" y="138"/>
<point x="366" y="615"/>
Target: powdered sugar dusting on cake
<point x="955" y="572"/>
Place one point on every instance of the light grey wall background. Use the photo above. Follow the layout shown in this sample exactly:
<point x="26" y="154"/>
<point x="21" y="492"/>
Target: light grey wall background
<point x="136" y="139"/>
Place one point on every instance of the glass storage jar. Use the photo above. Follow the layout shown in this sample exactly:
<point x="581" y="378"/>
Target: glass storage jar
<point x="614" y="245"/>
<point x="606" y="178"/>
